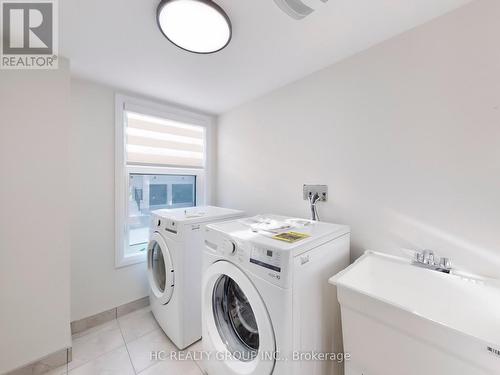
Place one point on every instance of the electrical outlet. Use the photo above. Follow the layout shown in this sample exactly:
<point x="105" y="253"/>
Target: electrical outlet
<point x="310" y="190"/>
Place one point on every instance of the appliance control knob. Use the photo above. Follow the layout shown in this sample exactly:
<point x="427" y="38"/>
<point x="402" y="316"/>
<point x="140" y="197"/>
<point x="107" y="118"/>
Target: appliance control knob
<point x="228" y="247"/>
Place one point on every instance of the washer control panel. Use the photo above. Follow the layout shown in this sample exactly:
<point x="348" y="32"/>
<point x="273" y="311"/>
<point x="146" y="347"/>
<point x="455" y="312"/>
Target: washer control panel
<point x="260" y="260"/>
<point x="164" y="224"/>
<point x="267" y="258"/>
<point x="170" y="225"/>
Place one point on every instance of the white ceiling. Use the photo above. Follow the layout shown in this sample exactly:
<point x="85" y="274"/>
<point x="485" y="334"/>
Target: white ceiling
<point x="117" y="42"/>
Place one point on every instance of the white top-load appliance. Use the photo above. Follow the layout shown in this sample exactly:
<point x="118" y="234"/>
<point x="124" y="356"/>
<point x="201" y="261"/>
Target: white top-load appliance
<point x="266" y="303"/>
<point x="174" y="268"/>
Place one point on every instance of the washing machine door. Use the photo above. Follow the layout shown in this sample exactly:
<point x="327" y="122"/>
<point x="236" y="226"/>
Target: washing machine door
<point x="160" y="269"/>
<point x="239" y="323"/>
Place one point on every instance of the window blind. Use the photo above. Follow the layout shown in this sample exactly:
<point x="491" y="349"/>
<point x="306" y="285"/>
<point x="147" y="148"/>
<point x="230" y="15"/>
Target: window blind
<point x="162" y="142"/>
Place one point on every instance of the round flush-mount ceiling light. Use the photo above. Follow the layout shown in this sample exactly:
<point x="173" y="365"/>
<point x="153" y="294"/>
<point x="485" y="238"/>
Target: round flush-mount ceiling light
<point x="198" y="26"/>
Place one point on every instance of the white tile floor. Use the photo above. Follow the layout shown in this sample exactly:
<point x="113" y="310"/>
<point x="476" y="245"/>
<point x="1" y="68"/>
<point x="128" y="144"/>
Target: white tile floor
<point x="123" y="347"/>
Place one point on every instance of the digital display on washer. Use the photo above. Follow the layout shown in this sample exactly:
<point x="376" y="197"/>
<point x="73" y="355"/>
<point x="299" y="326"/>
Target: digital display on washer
<point x="266" y="258"/>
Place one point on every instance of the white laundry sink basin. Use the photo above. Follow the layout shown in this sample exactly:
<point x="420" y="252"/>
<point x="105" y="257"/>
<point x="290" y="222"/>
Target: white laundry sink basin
<point x="400" y="319"/>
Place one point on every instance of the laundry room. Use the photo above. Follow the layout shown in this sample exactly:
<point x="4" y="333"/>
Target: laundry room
<point x="271" y="187"/>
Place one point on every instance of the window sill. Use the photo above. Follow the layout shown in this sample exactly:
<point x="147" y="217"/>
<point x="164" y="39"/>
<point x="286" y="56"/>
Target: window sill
<point x="131" y="260"/>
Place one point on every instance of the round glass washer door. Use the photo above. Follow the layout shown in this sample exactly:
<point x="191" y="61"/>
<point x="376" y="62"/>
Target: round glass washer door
<point x="236" y="320"/>
<point x="160" y="269"/>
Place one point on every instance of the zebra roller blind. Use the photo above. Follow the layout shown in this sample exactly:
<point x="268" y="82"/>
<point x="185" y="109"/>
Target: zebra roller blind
<point x="162" y="142"/>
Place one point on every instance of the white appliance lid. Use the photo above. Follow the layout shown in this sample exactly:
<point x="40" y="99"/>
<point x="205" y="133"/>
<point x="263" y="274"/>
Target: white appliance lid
<point x="261" y="228"/>
<point x="197" y="214"/>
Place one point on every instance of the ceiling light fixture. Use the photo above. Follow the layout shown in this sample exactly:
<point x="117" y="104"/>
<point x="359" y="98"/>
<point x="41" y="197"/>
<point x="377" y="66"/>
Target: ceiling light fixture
<point x="198" y="26"/>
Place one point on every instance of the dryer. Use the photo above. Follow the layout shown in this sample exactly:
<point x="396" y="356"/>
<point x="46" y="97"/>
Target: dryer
<point x="174" y="268"/>
<point x="266" y="304"/>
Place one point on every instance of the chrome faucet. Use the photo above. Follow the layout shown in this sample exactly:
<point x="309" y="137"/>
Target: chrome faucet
<point x="428" y="259"/>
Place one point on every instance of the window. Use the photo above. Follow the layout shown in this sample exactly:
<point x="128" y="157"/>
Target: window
<point x="161" y="162"/>
<point x="149" y="192"/>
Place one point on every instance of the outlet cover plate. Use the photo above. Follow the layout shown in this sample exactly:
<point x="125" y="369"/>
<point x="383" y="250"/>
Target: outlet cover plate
<point x="322" y="190"/>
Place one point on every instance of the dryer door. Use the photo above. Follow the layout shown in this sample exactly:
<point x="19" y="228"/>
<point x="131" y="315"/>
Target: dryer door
<point x="239" y="323"/>
<point x="160" y="269"/>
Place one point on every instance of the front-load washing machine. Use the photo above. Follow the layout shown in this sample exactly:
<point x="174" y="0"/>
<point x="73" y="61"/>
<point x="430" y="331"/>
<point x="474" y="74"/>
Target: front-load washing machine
<point x="267" y="307"/>
<point x="174" y="268"/>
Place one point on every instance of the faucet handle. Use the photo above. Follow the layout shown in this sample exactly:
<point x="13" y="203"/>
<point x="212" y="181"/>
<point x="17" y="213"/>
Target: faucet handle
<point x="445" y="263"/>
<point x="428" y="257"/>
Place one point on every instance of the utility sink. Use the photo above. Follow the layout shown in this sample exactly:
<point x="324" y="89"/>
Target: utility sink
<point x="401" y="319"/>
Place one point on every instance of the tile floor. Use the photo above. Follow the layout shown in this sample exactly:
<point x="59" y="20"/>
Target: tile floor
<point x="123" y="347"/>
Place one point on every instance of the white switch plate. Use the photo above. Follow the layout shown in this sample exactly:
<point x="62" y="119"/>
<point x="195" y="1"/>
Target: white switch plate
<point x="322" y="190"/>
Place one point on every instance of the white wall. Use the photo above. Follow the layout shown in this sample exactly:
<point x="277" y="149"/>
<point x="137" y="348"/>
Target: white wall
<point x="96" y="285"/>
<point x="34" y="235"/>
<point x="405" y="134"/>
